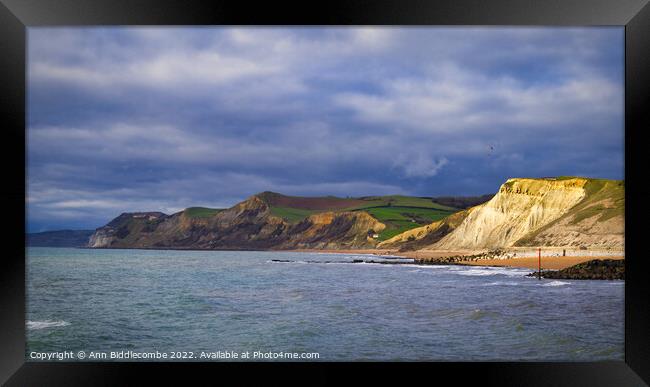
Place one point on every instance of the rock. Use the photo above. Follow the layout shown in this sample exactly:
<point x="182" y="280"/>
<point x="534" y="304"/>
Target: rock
<point x="600" y="269"/>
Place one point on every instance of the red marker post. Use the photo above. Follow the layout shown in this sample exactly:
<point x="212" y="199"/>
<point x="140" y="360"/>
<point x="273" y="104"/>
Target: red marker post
<point x="539" y="264"/>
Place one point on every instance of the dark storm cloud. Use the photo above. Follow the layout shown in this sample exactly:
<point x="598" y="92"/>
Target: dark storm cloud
<point x="161" y="119"/>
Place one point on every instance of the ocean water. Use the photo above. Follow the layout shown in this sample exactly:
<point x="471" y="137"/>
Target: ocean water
<point x="102" y="301"/>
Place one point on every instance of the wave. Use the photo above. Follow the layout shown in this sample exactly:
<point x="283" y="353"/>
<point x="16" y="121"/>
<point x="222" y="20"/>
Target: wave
<point x="46" y="324"/>
<point x="501" y="283"/>
<point x="556" y="283"/>
<point x="492" y="271"/>
<point x="432" y="267"/>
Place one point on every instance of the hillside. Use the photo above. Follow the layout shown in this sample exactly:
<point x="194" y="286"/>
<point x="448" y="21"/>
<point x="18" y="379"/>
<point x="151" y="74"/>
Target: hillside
<point x="561" y="212"/>
<point x="271" y="220"/>
<point x="398" y="213"/>
<point x="564" y="211"/>
<point x="421" y="237"/>
<point x="59" y="238"/>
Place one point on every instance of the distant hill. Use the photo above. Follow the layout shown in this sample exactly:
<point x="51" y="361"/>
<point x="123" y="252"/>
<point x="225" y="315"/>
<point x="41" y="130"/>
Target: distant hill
<point x="60" y="238"/>
<point x="271" y="220"/>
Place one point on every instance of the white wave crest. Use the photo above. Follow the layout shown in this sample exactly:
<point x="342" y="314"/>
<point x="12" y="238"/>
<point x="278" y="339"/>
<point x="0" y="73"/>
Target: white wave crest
<point x="502" y="283"/>
<point x="492" y="271"/>
<point x="46" y="324"/>
<point x="556" y="283"/>
<point x="432" y="266"/>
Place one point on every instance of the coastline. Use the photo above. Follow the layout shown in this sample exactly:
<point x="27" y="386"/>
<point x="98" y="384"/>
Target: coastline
<point x="550" y="262"/>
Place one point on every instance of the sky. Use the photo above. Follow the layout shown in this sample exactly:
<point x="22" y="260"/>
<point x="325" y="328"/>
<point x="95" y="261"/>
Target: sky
<point x="160" y="119"/>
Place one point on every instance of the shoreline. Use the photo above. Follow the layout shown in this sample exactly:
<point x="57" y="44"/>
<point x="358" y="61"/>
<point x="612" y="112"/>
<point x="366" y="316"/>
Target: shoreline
<point x="549" y="261"/>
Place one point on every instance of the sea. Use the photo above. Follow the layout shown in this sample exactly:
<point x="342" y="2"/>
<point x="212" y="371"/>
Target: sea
<point x="170" y="305"/>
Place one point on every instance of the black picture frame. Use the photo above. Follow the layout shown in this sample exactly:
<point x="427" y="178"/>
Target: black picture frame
<point x="17" y="15"/>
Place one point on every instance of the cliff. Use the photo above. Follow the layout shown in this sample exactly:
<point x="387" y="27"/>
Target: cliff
<point x="559" y="212"/>
<point x="598" y="221"/>
<point x="519" y="207"/>
<point x="565" y="211"/>
<point x="250" y="224"/>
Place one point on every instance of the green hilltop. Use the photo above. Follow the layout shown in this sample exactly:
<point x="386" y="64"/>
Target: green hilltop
<point x="398" y="212"/>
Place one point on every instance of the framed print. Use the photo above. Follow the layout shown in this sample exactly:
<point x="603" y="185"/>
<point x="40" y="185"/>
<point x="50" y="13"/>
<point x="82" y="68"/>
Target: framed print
<point x="386" y="189"/>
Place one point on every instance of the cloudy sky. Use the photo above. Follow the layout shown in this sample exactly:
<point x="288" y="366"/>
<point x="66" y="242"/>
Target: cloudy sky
<point x="159" y="119"/>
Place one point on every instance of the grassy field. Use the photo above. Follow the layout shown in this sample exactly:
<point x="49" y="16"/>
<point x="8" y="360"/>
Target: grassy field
<point x="294" y="209"/>
<point x="400" y="219"/>
<point x="400" y="201"/>
<point x="397" y="219"/>
<point x="201" y="212"/>
<point x="399" y="213"/>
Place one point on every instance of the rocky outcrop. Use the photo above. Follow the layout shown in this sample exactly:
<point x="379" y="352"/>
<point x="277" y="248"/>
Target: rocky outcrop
<point x="602" y="269"/>
<point x="124" y="227"/>
<point x="101" y="238"/>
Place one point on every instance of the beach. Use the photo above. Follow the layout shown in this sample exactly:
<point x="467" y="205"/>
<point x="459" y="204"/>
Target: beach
<point x="551" y="261"/>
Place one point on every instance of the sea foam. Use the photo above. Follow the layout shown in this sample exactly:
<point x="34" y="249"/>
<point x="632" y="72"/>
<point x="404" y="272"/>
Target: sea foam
<point x="556" y="283"/>
<point x="46" y="324"/>
<point x="492" y="271"/>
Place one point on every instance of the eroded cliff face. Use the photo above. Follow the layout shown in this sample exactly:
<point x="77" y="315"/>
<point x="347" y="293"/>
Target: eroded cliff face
<point x="334" y="230"/>
<point x="124" y="227"/>
<point x="101" y="238"/>
<point x="247" y="225"/>
<point x="520" y="207"/>
<point x="598" y="221"/>
<point x="563" y="212"/>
